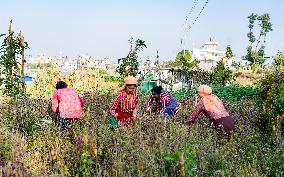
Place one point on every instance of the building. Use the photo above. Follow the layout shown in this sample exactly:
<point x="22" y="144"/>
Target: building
<point x="86" y="61"/>
<point x="40" y="59"/>
<point x="66" y="63"/>
<point x="208" y="55"/>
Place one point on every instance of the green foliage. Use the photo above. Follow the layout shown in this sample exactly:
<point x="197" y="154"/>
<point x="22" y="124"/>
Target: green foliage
<point x="188" y="157"/>
<point x="85" y="166"/>
<point x="229" y="52"/>
<point x="184" y="93"/>
<point x="5" y="145"/>
<point x="109" y="78"/>
<point x="25" y="121"/>
<point x="189" y="70"/>
<point x="256" y="56"/>
<point x="228" y="93"/>
<point x="185" y="61"/>
<point x="234" y="92"/>
<point x="279" y="60"/>
<point x="151" y="147"/>
<point x="12" y="48"/>
<point x="271" y="92"/>
<point x="129" y="65"/>
<point x="222" y="74"/>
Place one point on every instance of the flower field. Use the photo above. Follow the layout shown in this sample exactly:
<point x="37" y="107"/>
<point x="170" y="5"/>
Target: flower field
<point x="75" y="67"/>
<point x="155" y="146"/>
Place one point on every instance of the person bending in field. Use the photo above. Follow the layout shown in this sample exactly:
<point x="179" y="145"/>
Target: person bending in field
<point x="212" y="107"/>
<point x="165" y="103"/>
<point x="67" y="104"/>
<point x="124" y="107"/>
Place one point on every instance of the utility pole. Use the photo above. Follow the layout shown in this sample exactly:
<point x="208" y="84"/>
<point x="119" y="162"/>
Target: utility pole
<point x="184" y="42"/>
<point x="158" y="68"/>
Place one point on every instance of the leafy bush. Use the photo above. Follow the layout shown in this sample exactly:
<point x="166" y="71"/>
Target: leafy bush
<point x="229" y="93"/>
<point x="222" y="75"/>
<point x="234" y="92"/>
<point x="271" y="92"/>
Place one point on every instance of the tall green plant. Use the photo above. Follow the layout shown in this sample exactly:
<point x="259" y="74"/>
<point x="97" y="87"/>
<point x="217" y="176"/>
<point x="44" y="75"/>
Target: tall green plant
<point x="279" y="60"/>
<point x="11" y="75"/>
<point x="129" y="65"/>
<point x="222" y="74"/>
<point x="256" y="49"/>
<point x="229" y="52"/>
<point x="186" y="159"/>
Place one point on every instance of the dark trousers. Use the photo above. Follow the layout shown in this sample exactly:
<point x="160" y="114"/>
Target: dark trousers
<point x="65" y="123"/>
<point x="224" y="124"/>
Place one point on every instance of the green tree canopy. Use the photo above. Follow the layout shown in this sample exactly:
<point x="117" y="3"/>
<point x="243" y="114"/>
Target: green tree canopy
<point x="185" y="61"/>
<point x="129" y="65"/>
<point x="256" y="49"/>
<point x="279" y="60"/>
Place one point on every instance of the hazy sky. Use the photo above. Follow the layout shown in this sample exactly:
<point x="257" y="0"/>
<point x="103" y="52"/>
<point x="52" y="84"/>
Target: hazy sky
<point x="102" y="28"/>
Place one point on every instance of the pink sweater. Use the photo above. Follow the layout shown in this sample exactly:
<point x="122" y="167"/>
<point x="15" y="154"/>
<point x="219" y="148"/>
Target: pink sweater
<point x="213" y="116"/>
<point x="68" y="103"/>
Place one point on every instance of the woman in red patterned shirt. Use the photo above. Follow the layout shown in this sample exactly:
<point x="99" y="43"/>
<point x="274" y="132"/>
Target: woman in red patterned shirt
<point x="166" y="103"/>
<point x="124" y="107"/>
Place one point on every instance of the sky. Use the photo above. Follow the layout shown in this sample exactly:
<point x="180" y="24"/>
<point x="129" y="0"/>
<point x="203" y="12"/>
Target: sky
<point x="102" y="28"/>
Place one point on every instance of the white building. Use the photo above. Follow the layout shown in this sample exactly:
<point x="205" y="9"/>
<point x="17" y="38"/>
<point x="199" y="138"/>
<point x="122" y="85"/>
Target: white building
<point x="41" y="59"/>
<point x="67" y="63"/>
<point x="88" y="62"/>
<point x="208" y="55"/>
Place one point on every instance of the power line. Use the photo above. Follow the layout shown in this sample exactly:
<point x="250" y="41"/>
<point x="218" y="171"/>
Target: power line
<point x="189" y="13"/>
<point x="197" y="17"/>
<point x="191" y="10"/>
<point x="187" y="28"/>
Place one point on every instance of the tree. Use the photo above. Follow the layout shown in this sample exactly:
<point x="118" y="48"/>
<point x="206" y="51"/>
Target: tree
<point x="228" y="55"/>
<point x="185" y="61"/>
<point x="222" y="74"/>
<point x="256" y="49"/>
<point x="279" y="60"/>
<point x="186" y="65"/>
<point x="12" y="76"/>
<point x="129" y="65"/>
<point x="229" y="52"/>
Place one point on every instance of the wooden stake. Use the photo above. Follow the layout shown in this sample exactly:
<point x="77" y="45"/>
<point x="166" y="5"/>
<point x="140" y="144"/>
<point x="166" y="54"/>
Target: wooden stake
<point x="181" y="162"/>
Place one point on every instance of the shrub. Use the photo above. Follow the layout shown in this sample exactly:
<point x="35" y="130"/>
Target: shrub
<point x="271" y="92"/>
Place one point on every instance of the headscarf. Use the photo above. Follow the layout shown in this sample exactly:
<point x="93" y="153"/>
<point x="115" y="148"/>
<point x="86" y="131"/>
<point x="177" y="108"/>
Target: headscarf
<point x="210" y="101"/>
<point x="129" y="80"/>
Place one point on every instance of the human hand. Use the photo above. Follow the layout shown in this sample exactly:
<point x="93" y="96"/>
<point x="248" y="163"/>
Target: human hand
<point x="187" y="121"/>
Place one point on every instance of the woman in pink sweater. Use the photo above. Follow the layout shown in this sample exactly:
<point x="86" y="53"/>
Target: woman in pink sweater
<point x="67" y="103"/>
<point x="212" y="107"/>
